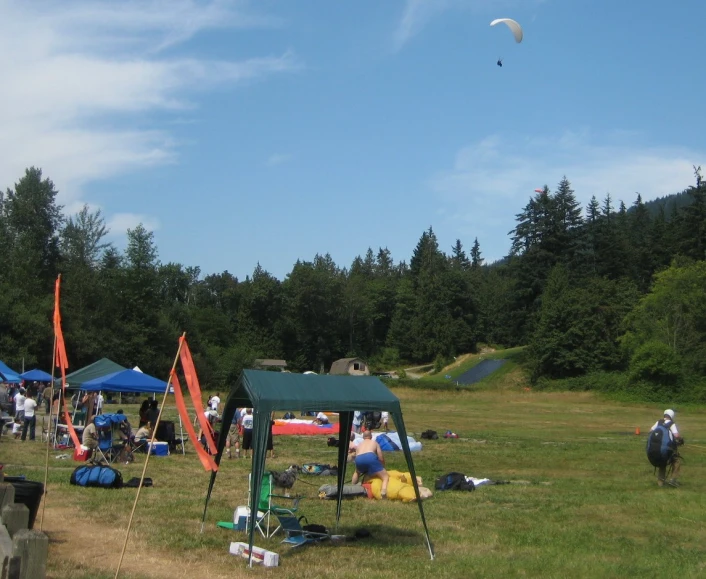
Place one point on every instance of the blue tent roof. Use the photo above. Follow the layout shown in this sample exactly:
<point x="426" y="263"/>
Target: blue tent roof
<point x="125" y="381"/>
<point x="36" y="376"/>
<point x="9" y="375"/>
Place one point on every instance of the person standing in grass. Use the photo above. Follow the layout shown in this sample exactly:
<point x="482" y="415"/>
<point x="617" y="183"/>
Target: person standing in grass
<point x="247" y="422"/>
<point x="672" y="461"/>
<point x="233" y="439"/>
<point x="30" y="420"/>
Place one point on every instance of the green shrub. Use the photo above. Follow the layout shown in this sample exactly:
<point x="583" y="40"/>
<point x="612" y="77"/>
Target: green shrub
<point x="655" y="362"/>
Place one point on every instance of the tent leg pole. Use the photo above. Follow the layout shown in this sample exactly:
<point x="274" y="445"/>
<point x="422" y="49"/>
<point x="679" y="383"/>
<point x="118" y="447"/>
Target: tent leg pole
<point x="181" y="435"/>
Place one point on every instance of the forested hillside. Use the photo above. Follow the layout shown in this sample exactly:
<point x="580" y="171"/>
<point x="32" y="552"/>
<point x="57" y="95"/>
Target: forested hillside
<point x="578" y="286"/>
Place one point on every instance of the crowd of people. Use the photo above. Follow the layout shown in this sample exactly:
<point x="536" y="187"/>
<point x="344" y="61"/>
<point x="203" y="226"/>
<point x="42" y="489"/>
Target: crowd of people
<point x="20" y="402"/>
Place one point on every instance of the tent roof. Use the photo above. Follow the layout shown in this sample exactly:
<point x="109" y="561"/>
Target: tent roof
<point x="100" y="368"/>
<point x="7" y="374"/>
<point x="282" y="391"/>
<point x="126" y="381"/>
<point x="36" y="375"/>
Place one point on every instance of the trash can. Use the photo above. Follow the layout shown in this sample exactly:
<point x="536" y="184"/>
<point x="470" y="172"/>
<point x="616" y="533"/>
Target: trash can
<point x="28" y="493"/>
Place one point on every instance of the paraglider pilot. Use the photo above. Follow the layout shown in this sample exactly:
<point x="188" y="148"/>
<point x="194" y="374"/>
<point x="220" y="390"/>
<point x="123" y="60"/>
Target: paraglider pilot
<point x="500" y="62"/>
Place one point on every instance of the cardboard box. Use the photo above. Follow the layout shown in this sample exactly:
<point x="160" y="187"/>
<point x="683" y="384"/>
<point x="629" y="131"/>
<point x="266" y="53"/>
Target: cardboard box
<point x="259" y="555"/>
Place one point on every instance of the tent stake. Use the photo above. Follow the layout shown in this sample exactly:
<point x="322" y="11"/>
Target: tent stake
<point x="149" y="453"/>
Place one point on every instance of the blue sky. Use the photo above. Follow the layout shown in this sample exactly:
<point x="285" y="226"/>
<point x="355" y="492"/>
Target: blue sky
<point x="269" y="131"/>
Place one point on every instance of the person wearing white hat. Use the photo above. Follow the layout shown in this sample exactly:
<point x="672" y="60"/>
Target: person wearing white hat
<point x="674" y="463"/>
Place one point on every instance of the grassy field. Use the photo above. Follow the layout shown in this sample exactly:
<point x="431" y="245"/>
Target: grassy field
<point x="583" y="503"/>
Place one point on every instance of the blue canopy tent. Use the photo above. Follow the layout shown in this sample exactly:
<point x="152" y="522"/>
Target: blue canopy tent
<point x="9" y="375"/>
<point x="131" y="381"/>
<point x="126" y="381"/>
<point x="36" y="376"/>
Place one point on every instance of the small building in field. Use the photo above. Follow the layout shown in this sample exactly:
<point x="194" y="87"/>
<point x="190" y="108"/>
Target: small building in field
<point x="350" y="366"/>
<point x="272" y="365"/>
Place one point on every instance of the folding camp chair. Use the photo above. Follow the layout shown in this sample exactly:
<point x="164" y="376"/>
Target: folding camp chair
<point x="113" y="440"/>
<point x="267" y="508"/>
<point x="103" y="452"/>
<point x="295" y="535"/>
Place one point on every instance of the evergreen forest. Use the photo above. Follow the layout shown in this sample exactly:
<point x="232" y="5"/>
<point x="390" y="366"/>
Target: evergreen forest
<point x="604" y="296"/>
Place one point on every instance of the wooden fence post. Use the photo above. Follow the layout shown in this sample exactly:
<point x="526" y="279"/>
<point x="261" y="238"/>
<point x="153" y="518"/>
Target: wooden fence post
<point x="9" y="564"/>
<point x="15" y="517"/>
<point x="32" y="548"/>
<point x="7" y="494"/>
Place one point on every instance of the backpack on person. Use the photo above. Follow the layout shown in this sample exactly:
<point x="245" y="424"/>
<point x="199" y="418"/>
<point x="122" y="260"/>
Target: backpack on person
<point x="660" y="445"/>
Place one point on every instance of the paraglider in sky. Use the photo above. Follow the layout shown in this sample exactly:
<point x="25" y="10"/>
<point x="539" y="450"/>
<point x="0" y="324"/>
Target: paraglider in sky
<point x="513" y="25"/>
<point x="539" y="190"/>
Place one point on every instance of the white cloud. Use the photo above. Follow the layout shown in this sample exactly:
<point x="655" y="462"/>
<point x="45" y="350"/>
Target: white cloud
<point x="119" y="223"/>
<point x="418" y="13"/>
<point x="278" y="159"/>
<point x="493" y="179"/>
<point x="79" y="75"/>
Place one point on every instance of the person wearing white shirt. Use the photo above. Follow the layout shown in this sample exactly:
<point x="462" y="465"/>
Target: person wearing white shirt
<point x="30" y="419"/>
<point x="99" y="403"/>
<point x="214" y="402"/>
<point x="677" y="440"/>
<point x="20" y="404"/>
<point x="321" y="418"/>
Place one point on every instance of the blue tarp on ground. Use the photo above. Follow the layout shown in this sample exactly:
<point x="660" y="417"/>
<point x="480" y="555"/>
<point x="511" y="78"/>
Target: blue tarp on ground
<point x="125" y="381"/>
<point x="7" y="374"/>
<point x="480" y="371"/>
<point x="36" y="376"/>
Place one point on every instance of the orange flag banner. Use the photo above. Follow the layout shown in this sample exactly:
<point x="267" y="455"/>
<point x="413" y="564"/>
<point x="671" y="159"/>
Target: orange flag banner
<point x="205" y="458"/>
<point x="192" y="382"/>
<point x="62" y="361"/>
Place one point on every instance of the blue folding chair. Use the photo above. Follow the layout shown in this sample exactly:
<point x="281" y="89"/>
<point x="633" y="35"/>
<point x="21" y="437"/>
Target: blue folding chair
<point x="111" y="442"/>
<point x="295" y="535"/>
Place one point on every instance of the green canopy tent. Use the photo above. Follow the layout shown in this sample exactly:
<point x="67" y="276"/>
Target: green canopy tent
<point x="267" y="392"/>
<point x="98" y="369"/>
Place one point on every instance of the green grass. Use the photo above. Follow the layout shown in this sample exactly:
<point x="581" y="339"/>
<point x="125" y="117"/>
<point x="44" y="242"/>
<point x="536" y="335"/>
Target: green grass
<point x="590" y="506"/>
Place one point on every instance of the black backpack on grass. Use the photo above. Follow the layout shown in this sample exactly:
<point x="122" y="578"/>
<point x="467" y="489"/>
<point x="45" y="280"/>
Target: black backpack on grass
<point x="454" y="481"/>
<point x="661" y="445"/>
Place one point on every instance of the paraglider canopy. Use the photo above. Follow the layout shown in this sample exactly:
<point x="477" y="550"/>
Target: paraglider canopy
<point x="512" y="25"/>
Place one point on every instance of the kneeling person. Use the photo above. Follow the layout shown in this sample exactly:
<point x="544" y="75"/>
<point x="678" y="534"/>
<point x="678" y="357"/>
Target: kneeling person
<point x="370" y="461"/>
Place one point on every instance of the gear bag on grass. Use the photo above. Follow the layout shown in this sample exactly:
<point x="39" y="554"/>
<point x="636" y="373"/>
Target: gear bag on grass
<point x="97" y="476"/>
<point x="454" y="481"/>
<point x="660" y="444"/>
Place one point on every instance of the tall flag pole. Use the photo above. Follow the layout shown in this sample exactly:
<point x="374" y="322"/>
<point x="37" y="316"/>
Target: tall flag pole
<point x="192" y="380"/>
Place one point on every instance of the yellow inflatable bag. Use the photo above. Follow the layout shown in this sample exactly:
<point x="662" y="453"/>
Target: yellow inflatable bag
<point x="396" y="490"/>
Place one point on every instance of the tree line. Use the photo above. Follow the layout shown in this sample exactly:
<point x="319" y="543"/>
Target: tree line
<point x="587" y="289"/>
